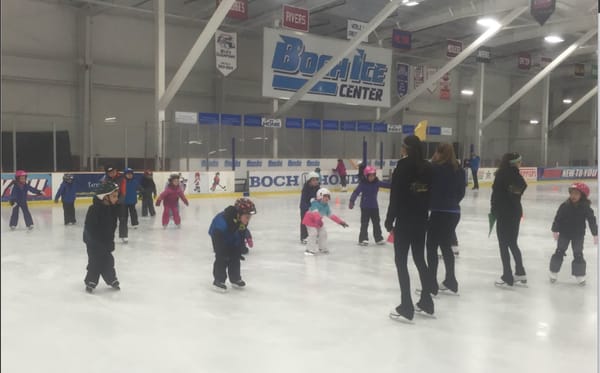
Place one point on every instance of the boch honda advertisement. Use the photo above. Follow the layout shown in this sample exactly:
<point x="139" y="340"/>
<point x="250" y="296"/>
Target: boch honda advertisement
<point x="290" y="60"/>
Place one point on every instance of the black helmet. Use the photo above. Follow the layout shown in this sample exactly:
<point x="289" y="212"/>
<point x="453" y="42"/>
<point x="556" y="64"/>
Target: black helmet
<point x="68" y="177"/>
<point x="105" y="189"/>
<point x="245" y="206"/>
<point x="109" y="168"/>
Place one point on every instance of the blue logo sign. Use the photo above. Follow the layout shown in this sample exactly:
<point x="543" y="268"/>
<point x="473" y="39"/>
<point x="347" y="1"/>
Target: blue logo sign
<point x="293" y="66"/>
<point x="275" y="163"/>
<point x="250" y="163"/>
<point x="296" y="163"/>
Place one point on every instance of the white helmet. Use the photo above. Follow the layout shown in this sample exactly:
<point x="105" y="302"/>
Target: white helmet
<point x="313" y="175"/>
<point x="323" y="192"/>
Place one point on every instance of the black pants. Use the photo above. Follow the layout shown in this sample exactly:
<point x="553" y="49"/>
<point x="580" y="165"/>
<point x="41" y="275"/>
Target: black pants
<point x="406" y="237"/>
<point x="303" y="230"/>
<point x="125" y="211"/>
<point x="441" y="233"/>
<point x="343" y="180"/>
<point x="227" y="262"/>
<point x="148" y="205"/>
<point x="100" y="262"/>
<point x="578" y="265"/>
<point x="69" y="212"/>
<point x="507" y="229"/>
<point x="371" y="214"/>
<point x="475" y="181"/>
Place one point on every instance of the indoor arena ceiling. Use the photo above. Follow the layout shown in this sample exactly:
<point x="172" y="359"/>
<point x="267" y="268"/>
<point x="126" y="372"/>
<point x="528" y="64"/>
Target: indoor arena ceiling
<point x="431" y="21"/>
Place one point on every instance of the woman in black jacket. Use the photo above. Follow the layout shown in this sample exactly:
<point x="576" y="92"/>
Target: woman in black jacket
<point x="507" y="190"/>
<point x="407" y="216"/>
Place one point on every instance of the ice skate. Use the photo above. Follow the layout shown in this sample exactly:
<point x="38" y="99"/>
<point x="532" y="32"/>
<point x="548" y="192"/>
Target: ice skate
<point x="421" y="309"/>
<point x="455" y="250"/>
<point x="115" y="285"/>
<point x="124" y="239"/>
<point x="13" y="227"/>
<point x="502" y="284"/>
<point x="134" y="227"/>
<point x="419" y="291"/>
<point x="448" y="290"/>
<point x="310" y="252"/>
<point x="363" y="243"/>
<point x="324" y="251"/>
<point x="239" y="284"/>
<point x="219" y="286"/>
<point x="89" y="287"/>
<point x="397" y="315"/>
<point x="521" y="280"/>
<point x="178" y="226"/>
<point x="304" y="242"/>
<point x="30" y="227"/>
<point x="580" y="280"/>
<point x="380" y="242"/>
<point x="553" y="276"/>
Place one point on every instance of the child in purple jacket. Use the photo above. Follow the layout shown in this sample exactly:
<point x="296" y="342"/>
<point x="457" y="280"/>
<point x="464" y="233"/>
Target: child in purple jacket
<point x="18" y="199"/>
<point x="369" y="208"/>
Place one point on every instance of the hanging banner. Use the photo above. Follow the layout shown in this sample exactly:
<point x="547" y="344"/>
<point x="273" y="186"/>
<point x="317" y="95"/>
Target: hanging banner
<point x="594" y="73"/>
<point x="402" y="75"/>
<point x="295" y="18"/>
<point x="353" y="28"/>
<point x="484" y="55"/>
<point x="429" y="72"/>
<point x="186" y="117"/>
<point x="419" y="75"/>
<point x="541" y="10"/>
<point x="239" y="9"/>
<point x="445" y="87"/>
<point x="401" y="39"/>
<point x="579" y="70"/>
<point x="524" y="61"/>
<point x="290" y="60"/>
<point x="226" y="51"/>
<point x="453" y="48"/>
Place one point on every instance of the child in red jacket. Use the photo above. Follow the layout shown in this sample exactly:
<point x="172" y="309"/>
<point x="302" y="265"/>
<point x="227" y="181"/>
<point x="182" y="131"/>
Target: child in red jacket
<point x="171" y="196"/>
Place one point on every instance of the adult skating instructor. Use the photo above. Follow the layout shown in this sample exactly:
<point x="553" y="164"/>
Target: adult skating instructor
<point x="407" y="216"/>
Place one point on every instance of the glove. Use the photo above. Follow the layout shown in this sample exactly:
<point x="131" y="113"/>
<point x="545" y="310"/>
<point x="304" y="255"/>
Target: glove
<point x="344" y="224"/>
<point x="595" y="240"/>
<point x="250" y="242"/>
<point x="555" y="235"/>
<point x="351" y="205"/>
<point x="389" y="225"/>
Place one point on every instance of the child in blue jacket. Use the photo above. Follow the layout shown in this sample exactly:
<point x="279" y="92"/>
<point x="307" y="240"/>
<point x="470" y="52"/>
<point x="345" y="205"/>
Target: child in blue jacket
<point x="369" y="208"/>
<point x="18" y="199"/>
<point x="67" y="193"/>
<point x="128" y="209"/>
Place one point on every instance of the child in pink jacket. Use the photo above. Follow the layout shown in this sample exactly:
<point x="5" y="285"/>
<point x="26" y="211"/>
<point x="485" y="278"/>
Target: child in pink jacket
<point x="171" y="196"/>
<point x="313" y="219"/>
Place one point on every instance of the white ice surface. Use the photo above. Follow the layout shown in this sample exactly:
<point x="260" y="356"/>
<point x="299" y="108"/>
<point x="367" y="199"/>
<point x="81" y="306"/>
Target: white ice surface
<point x="298" y="313"/>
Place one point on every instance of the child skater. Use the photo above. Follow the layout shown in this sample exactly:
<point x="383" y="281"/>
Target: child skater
<point x="227" y="232"/>
<point x="569" y="226"/>
<point x="217" y="183"/>
<point x="99" y="237"/>
<point x="369" y="209"/>
<point x="148" y="191"/>
<point x="171" y="196"/>
<point x="130" y="198"/>
<point x="67" y="192"/>
<point x="18" y="199"/>
<point x="313" y="219"/>
<point x="309" y="192"/>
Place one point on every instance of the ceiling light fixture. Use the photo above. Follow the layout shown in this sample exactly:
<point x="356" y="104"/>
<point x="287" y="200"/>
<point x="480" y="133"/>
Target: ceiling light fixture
<point x="553" y="39"/>
<point x="567" y="101"/>
<point x="411" y="3"/>
<point x="534" y="121"/>
<point x="467" y="92"/>
<point x="488" y="22"/>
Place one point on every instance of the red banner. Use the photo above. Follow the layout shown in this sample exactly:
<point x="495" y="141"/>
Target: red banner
<point x="454" y="48"/>
<point x="524" y="61"/>
<point x="239" y="9"/>
<point x="295" y="18"/>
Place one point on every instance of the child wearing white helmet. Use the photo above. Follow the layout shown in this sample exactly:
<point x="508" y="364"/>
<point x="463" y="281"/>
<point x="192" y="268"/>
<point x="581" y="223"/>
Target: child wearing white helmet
<point x="313" y="219"/>
<point x="309" y="192"/>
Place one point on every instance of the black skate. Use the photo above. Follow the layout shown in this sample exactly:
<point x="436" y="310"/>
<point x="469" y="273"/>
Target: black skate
<point x="239" y="284"/>
<point x="425" y="310"/>
<point x="401" y="315"/>
<point x="89" y="287"/>
<point x="115" y="285"/>
<point x="219" y="286"/>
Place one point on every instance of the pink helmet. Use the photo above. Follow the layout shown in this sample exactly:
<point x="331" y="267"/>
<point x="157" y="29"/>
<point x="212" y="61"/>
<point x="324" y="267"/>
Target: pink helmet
<point x="20" y="173"/>
<point x="582" y="188"/>
<point x="369" y="170"/>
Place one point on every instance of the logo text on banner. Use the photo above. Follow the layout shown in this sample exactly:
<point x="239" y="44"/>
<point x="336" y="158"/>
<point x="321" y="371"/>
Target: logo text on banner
<point x="271" y="122"/>
<point x="394" y="128"/>
<point x="484" y="54"/>
<point x="454" y="48"/>
<point x="354" y="27"/>
<point x="239" y="9"/>
<point x="361" y="78"/>
<point x="226" y="51"/>
<point x="295" y="18"/>
<point x="524" y="61"/>
<point x="402" y="76"/>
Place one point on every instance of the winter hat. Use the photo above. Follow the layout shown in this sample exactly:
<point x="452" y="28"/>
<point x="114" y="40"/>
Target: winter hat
<point x="412" y="141"/>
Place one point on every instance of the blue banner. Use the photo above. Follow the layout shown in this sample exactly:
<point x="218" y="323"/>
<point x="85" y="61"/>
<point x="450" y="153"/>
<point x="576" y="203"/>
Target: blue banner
<point x="312" y="124"/>
<point x="432" y="130"/>
<point x="208" y="118"/>
<point x="380" y="127"/>
<point x="408" y="129"/>
<point x="331" y="124"/>
<point x="348" y="125"/>
<point x="231" y="120"/>
<point x="252" y="121"/>
<point x="365" y="126"/>
<point x="293" y="122"/>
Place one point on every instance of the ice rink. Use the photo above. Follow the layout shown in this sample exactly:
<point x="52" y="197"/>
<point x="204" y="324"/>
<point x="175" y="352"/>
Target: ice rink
<point x="298" y="313"/>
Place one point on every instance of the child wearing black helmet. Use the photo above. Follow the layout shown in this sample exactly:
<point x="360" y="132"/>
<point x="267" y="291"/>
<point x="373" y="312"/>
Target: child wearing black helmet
<point x="67" y="193"/>
<point x="228" y="231"/>
<point x="569" y="226"/>
<point x="99" y="237"/>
